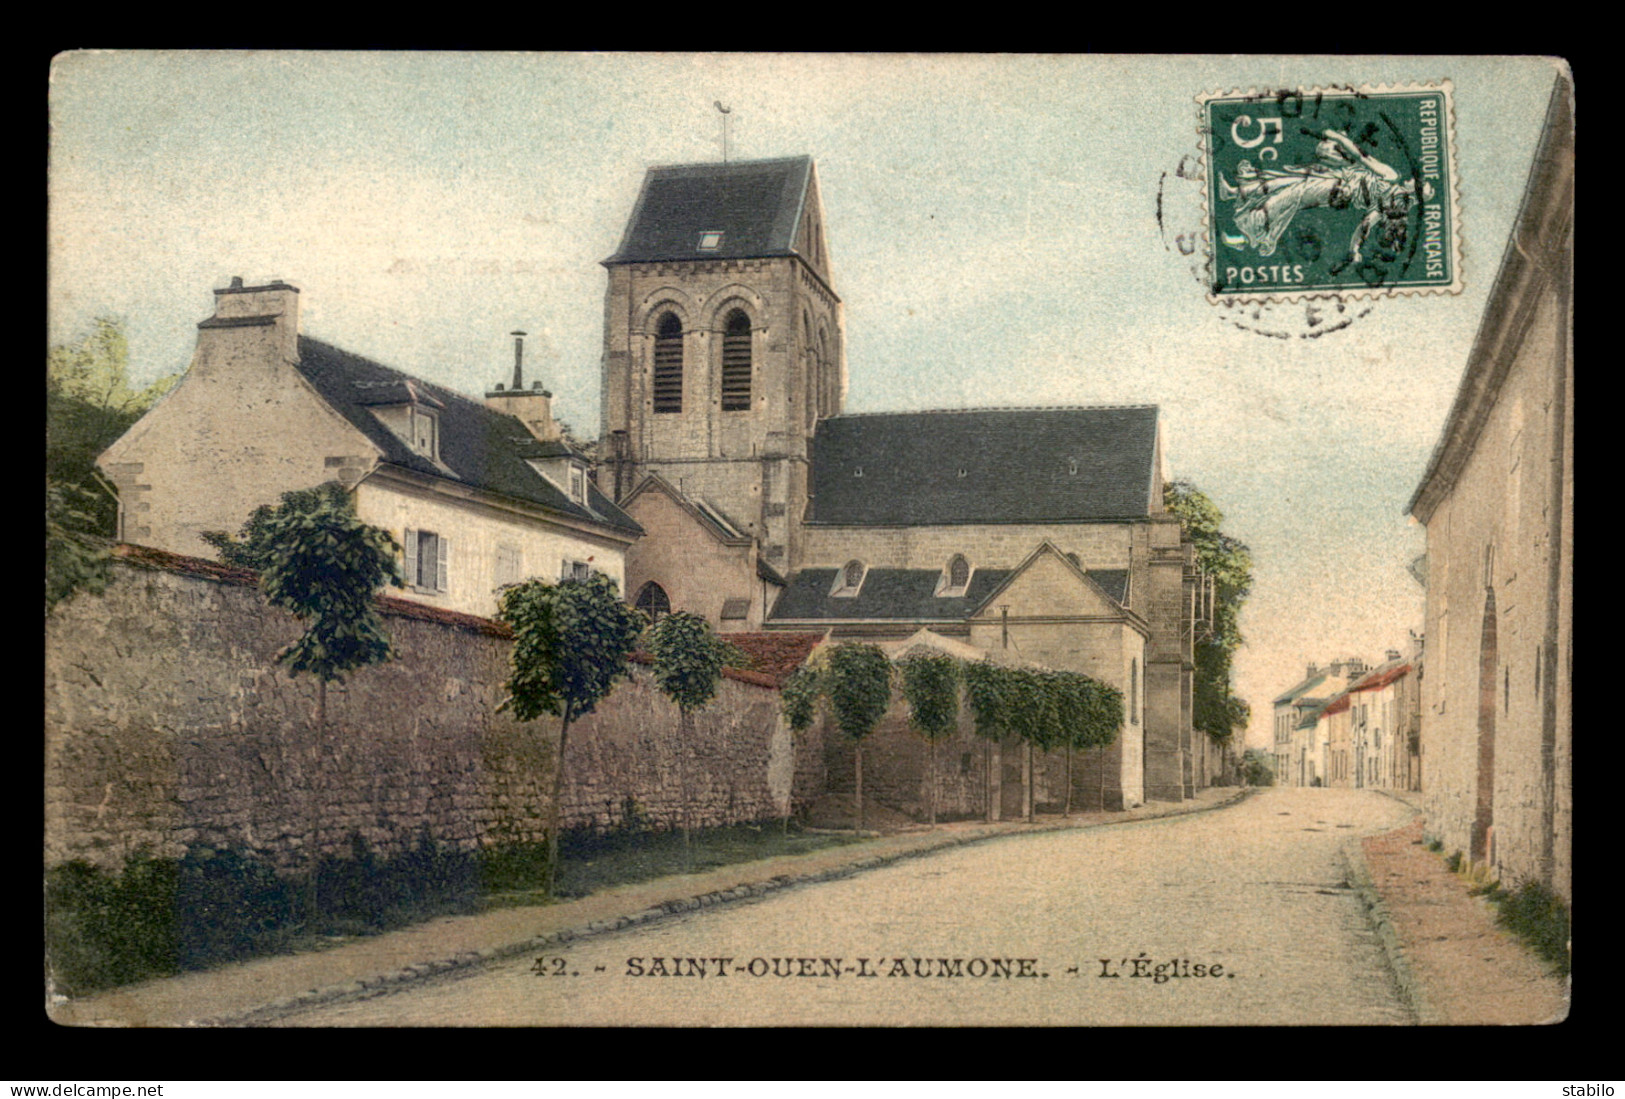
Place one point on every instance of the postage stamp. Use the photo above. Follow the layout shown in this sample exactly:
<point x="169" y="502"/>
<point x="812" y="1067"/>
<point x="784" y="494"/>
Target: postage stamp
<point x="1343" y="191"/>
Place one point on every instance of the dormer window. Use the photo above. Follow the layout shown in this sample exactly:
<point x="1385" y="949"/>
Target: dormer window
<point x="955" y="577"/>
<point x="425" y="437"/>
<point x="849" y="579"/>
<point x="578" y="484"/>
<point x="710" y="241"/>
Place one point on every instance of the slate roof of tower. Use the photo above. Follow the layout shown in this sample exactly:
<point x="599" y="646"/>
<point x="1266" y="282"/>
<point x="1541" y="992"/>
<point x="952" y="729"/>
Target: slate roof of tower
<point x="984" y="465"/>
<point x="478" y="445"/>
<point x="755" y="204"/>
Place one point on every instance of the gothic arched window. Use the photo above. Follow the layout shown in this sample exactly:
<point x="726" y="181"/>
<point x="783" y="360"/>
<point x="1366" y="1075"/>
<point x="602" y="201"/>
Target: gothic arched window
<point x="736" y="363"/>
<point x="652" y="601"/>
<point x="668" y="378"/>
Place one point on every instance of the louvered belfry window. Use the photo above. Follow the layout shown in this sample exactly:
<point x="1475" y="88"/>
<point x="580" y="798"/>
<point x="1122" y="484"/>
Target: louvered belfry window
<point x="736" y="363"/>
<point x="668" y="381"/>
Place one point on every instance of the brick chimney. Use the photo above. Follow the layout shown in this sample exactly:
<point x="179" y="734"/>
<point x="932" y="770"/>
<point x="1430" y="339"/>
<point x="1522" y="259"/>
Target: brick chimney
<point x="532" y="407"/>
<point x="250" y="324"/>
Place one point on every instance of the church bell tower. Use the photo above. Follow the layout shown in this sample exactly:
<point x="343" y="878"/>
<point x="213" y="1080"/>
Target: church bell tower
<point x="723" y="343"/>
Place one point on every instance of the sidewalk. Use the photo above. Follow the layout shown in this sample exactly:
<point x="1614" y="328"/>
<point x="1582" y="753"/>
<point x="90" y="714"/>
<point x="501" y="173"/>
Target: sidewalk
<point x="1454" y="964"/>
<point x="256" y="991"/>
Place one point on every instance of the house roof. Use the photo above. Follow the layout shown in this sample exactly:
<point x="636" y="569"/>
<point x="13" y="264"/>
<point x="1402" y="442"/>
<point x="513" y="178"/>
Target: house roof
<point x="755" y="205"/>
<point x="905" y="594"/>
<point x="984" y="465"/>
<point x="479" y="447"/>
<point x="707" y="515"/>
<point x="775" y="654"/>
<point x="1382" y="677"/>
<point x="1539" y="248"/>
<point x="1337" y="705"/>
<point x="1300" y="689"/>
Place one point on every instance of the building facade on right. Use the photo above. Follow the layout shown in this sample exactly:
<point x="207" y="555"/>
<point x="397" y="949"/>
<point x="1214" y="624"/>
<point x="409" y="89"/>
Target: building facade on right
<point x="1498" y="503"/>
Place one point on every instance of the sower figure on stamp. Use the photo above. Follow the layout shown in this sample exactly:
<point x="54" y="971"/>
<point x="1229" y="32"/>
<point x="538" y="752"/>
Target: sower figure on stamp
<point x="1343" y="176"/>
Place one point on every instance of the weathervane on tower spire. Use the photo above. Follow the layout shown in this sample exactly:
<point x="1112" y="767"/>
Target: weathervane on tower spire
<point x="725" y="112"/>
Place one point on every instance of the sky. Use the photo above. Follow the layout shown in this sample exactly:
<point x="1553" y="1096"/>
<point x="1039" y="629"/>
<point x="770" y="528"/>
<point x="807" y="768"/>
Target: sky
<point x="993" y="232"/>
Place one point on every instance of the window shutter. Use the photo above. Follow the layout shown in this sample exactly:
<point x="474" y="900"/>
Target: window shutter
<point x="444" y="552"/>
<point x="668" y="365"/>
<point x="411" y="541"/>
<point x="736" y="363"/>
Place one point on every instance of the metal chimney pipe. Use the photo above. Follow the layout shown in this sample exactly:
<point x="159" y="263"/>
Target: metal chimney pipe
<point x="518" y="359"/>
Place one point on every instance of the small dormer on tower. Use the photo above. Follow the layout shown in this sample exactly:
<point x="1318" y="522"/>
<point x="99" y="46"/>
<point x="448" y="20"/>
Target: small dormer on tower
<point x="532" y="407"/>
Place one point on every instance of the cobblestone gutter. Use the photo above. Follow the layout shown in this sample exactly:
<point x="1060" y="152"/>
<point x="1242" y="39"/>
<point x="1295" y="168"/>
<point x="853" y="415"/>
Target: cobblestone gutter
<point x="1382" y="923"/>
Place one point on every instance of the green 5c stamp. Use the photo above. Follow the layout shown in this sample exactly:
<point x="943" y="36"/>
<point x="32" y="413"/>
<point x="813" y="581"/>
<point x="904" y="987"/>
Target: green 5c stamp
<point x="1331" y="191"/>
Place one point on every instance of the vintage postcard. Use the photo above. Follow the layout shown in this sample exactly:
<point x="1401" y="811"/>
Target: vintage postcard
<point x="771" y="540"/>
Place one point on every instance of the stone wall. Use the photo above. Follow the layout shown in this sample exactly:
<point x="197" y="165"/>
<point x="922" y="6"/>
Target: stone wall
<point x="168" y="723"/>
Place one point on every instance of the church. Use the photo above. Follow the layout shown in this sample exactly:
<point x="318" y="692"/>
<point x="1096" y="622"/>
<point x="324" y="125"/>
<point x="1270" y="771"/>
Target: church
<point x="1035" y="535"/>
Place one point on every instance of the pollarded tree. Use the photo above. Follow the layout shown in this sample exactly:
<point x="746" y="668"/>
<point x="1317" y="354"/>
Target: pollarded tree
<point x="857" y="682"/>
<point x="570" y="644"/>
<point x="1103" y="720"/>
<point x="798" y="701"/>
<point x="931" y="685"/>
<point x="326" y="566"/>
<point x="984" y="692"/>
<point x="689" y="658"/>
<point x="1029" y="714"/>
<point x="1072" y="698"/>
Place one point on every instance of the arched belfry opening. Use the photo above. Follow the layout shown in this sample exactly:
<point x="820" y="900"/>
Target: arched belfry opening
<point x="668" y="364"/>
<point x="736" y="362"/>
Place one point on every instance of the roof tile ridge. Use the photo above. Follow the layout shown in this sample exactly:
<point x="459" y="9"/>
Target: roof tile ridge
<point x="991" y="408"/>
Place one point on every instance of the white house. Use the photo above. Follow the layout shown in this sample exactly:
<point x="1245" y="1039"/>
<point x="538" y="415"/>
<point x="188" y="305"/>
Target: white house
<point x="478" y="494"/>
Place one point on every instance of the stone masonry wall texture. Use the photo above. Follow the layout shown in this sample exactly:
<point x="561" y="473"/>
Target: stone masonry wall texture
<point x="168" y="724"/>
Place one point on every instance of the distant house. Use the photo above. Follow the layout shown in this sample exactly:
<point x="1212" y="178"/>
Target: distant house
<point x="1498" y="502"/>
<point x="1300" y="727"/>
<point x="478" y="494"/>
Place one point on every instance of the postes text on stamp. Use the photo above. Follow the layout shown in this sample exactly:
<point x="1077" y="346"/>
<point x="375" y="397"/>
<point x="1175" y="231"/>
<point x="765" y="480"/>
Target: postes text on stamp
<point x="1331" y="191"/>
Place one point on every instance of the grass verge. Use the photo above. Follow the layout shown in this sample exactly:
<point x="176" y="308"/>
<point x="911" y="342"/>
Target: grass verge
<point x="159" y="917"/>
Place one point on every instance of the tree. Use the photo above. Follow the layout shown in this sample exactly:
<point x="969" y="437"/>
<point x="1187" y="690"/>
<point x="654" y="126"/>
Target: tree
<point x="931" y="685"/>
<point x="75" y="557"/>
<point x="254" y="545"/>
<point x="798" y="701"/>
<point x="1216" y="710"/>
<point x="571" y="641"/>
<point x="1256" y="769"/>
<point x="858" y="685"/>
<point x="984" y="692"/>
<point x="89" y="403"/>
<point x="325" y="565"/>
<point x="1030" y="715"/>
<point x="689" y="659"/>
<point x="1072" y="708"/>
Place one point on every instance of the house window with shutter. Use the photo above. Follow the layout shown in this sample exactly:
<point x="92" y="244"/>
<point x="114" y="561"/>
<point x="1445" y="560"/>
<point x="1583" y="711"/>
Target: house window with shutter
<point x="575" y="570"/>
<point x="510" y="565"/>
<point x="736" y="363"/>
<point x="668" y="377"/>
<point x="427" y="558"/>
